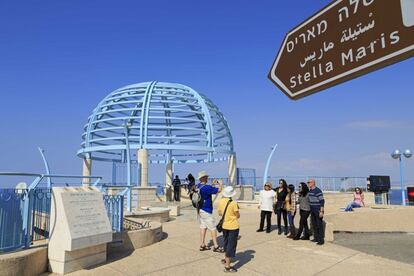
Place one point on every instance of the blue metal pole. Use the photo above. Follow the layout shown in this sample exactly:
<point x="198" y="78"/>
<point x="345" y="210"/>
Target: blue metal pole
<point x="268" y="164"/>
<point x="402" y="180"/>
<point x="42" y="153"/>
<point x="128" y="156"/>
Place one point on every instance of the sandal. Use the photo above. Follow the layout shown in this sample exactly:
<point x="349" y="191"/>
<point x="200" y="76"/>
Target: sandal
<point x="204" y="248"/>
<point x="218" y="249"/>
<point x="230" y="269"/>
<point x="223" y="261"/>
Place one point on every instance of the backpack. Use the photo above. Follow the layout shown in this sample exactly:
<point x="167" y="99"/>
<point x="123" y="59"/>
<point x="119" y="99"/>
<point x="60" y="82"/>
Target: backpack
<point x="196" y="198"/>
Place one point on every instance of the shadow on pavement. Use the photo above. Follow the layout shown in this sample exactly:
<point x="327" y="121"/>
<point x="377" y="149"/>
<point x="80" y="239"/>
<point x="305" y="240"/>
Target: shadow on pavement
<point x="243" y="258"/>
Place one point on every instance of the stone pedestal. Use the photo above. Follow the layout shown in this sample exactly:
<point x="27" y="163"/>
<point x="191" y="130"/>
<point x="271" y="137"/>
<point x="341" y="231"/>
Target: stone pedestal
<point x="232" y="170"/>
<point x="174" y="210"/>
<point x="245" y="192"/>
<point x="141" y="196"/>
<point x="143" y="162"/>
<point x="86" y="171"/>
<point x="79" y="229"/>
<point x="144" y="196"/>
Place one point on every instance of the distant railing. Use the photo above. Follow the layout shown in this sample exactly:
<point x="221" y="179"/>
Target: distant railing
<point x="25" y="211"/>
<point x="330" y="184"/>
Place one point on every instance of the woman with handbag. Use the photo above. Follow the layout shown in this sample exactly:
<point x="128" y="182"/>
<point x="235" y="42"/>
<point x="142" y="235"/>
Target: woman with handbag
<point x="229" y="224"/>
<point x="280" y="210"/>
<point x="291" y="210"/>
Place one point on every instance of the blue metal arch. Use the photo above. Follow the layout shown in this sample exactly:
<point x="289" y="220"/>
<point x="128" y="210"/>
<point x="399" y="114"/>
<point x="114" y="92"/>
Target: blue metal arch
<point x="172" y="120"/>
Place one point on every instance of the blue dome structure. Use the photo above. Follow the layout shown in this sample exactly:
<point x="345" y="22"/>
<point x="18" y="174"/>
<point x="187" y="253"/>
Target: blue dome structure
<point x="172" y="121"/>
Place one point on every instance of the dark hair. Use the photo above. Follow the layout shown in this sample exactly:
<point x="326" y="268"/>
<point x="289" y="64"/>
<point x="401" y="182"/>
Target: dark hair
<point x="190" y="177"/>
<point x="284" y="184"/>
<point x="304" y="189"/>
<point x="176" y="176"/>
<point x="360" y="191"/>
<point x="291" y="190"/>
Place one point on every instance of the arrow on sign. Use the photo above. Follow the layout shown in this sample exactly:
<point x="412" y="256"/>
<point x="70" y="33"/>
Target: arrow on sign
<point x="346" y="39"/>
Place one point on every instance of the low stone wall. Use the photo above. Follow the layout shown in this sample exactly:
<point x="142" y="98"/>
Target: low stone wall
<point x="334" y="201"/>
<point x="27" y="262"/>
<point x="34" y="261"/>
<point x="375" y="219"/>
<point x="158" y="214"/>
<point x="128" y="241"/>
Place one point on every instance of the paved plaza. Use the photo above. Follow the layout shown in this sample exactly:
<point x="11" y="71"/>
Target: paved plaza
<point x="258" y="254"/>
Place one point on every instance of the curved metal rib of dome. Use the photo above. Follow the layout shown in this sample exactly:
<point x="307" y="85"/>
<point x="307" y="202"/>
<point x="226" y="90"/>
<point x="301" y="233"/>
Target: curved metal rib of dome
<point x="172" y="120"/>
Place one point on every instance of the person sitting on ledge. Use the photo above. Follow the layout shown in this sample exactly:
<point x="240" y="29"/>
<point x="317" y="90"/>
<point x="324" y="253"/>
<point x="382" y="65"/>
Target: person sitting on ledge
<point x="357" y="202"/>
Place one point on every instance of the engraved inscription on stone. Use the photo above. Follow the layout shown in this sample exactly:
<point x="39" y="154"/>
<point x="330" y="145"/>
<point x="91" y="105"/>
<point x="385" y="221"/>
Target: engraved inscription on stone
<point x="85" y="213"/>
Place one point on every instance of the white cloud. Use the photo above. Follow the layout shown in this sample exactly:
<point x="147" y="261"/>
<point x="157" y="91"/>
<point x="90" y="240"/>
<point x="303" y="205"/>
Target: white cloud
<point x="378" y="124"/>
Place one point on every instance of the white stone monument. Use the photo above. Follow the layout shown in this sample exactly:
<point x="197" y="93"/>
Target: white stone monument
<point x="79" y="229"/>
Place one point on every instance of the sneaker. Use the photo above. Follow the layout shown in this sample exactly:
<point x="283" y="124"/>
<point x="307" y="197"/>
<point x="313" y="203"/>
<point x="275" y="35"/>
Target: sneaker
<point x="320" y="243"/>
<point x="259" y="230"/>
<point x="268" y="231"/>
<point x="314" y="240"/>
<point x="296" y="238"/>
<point x="305" y="238"/>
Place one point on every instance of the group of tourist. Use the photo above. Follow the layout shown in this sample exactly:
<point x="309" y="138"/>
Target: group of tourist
<point x="310" y="201"/>
<point x="281" y="200"/>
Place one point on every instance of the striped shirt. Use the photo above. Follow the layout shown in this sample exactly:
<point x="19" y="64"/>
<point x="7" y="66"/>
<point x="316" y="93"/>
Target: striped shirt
<point x="316" y="200"/>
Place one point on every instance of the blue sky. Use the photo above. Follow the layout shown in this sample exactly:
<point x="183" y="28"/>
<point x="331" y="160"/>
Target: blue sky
<point x="59" y="58"/>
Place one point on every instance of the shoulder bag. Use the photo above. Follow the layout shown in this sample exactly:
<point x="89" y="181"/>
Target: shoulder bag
<point x="220" y="223"/>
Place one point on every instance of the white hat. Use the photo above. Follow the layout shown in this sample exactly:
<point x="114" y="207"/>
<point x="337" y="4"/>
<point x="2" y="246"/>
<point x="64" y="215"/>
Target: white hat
<point x="229" y="191"/>
<point x="202" y="174"/>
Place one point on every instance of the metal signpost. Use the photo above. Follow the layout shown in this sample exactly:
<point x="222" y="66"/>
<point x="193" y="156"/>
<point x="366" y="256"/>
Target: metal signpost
<point x="346" y="39"/>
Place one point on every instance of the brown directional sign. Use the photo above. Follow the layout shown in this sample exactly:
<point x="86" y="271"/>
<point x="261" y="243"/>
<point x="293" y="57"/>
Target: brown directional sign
<point x="346" y="39"/>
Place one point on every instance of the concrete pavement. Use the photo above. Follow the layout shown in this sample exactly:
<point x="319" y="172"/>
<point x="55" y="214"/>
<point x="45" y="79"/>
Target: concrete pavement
<point x="258" y="254"/>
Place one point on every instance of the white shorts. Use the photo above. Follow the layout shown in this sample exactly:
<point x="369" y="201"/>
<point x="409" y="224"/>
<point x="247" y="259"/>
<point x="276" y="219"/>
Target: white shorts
<point x="206" y="221"/>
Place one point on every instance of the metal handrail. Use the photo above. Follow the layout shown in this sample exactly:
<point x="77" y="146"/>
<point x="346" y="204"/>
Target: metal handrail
<point x="19" y="174"/>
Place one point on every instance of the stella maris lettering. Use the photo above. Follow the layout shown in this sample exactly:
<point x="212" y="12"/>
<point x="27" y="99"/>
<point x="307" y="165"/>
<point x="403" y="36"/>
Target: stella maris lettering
<point x="362" y="52"/>
<point x="315" y="72"/>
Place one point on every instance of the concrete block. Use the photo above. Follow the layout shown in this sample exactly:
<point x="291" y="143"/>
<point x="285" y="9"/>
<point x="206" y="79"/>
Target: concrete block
<point x="79" y="259"/>
<point x="174" y="210"/>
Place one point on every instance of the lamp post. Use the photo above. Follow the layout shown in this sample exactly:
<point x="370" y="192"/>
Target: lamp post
<point x="398" y="155"/>
<point x="127" y="125"/>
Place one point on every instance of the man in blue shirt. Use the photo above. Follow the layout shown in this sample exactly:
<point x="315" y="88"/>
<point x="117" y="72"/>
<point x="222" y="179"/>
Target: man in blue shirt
<point x="206" y="212"/>
<point x="317" y="206"/>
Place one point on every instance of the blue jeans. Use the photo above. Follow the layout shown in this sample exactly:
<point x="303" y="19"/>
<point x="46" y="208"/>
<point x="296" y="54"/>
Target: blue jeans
<point x="351" y="206"/>
<point x="290" y="219"/>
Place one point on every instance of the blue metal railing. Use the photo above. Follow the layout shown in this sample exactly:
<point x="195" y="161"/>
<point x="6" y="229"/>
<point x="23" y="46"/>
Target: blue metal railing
<point x="11" y="220"/>
<point x="115" y="208"/>
<point x="40" y="199"/>
<point x="326" y="183"/>
<point x="25" y="212"/>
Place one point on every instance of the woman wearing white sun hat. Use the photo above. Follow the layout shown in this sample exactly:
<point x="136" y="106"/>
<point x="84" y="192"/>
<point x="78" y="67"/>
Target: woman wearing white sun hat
<point x="229" y="209"/>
